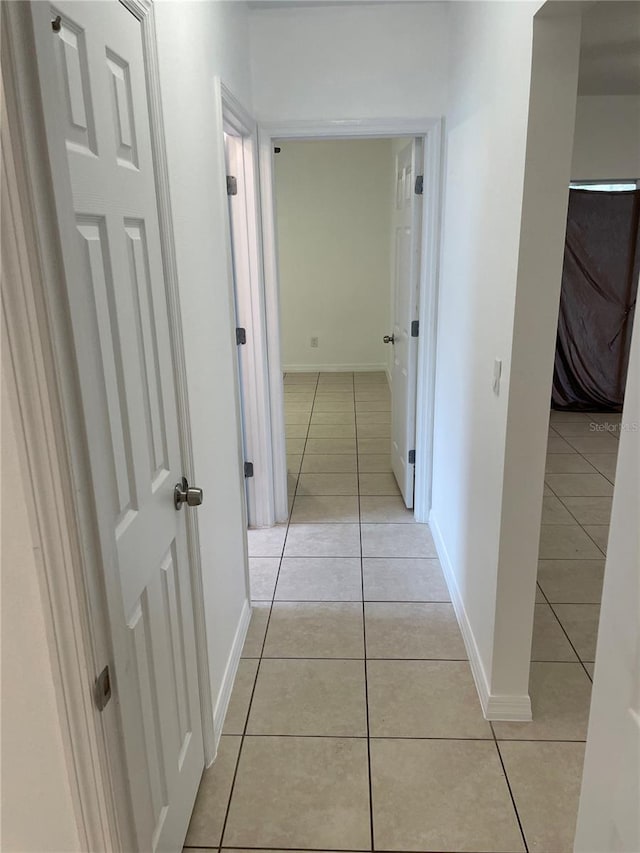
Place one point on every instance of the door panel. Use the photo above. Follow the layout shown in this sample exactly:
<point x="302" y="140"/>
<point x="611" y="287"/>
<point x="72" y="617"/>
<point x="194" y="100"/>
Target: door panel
<point x="120" y="323"/>
<point x="407" y="220"/>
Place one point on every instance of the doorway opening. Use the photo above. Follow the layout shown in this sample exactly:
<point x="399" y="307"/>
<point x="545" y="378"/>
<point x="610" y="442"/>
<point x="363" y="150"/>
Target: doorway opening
<point x="302" y="330"/>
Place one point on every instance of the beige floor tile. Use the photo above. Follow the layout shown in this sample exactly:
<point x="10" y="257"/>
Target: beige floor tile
<point x="323" y="540"/>
<point x="600" y="535"/>
<point x="397" y="540"/>
<point x="589" y="666"/>
<point x="554" y="512"/>
<point x="403" y="580"/>
<point x="293" y="431"/>
<point x="567" y="463"/>
<point x="210" y="807"/>
<point x="545" y="780"/>
<point x="598" y="443"/>
<point x="324" y="405"/>
<point x="331" y="445"/>
<point x="294" y="461"/>
<point x="613" y="419"/>
<point x="324" y="509"/>
<point x="267" y="541"/>
<point x="557" y="444"/>
<point x="571" y="427"/>
<point x="374" y="462"/>
<point x="579" y="485"/>
<point x="310" y="377"/>
<point x="378" y="484"/>
<point x="580" y="621"/>
<point x="297" y="418"/>
<point x="372" y="396"/>
<point x="424" y="699"/>
<point x="376" y="430"/>
<point x="566" y="542"/>
<point x="571" y="581"/>
<point x="310" y="697"/>
<point x="236" y="715"/>
<point x="441" y="795"/>
<point x="333" y="419"/>
<point x="257" y="629"/>
<point x="374" y="445"/>
<point x="332" y="430"/>
<point x="319" y="579"/>
<point x="327" y="484"/>
<point x="589" y="510"/>
<point x="381" y="509"/>
<point x="297" y="406"/>
<point x="335" y="396"/>
<point x="329" y="463"/>
<point x="295" y="445"/>
<point x="413" y="631"/>
<point x="366" y="418"/>
<point x="263" y="572"/>
<point x="605" y="463"/>
<point x="373" y="406"/>
<point x="549" y="640"/>
<point x="301" y="792"/>
<point x="540" y="599"/>
<point x="560" y="700"/>
<point x="315" y="630"/>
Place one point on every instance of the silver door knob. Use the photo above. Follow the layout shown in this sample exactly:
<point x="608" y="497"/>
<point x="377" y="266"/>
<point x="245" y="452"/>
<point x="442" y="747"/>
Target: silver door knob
<point x="186" y="494"/>
<point x="388" y="339"/>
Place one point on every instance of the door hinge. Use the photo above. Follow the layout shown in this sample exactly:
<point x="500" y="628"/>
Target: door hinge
<point x="412" y="457"/>
<point x="248" y="469"/>
<point x="241" y="336"/>
<point x="232" y="185"/>
<point x="102" y="689"/>
<point x="415" y="328"/>
<point x="419" y="184"/>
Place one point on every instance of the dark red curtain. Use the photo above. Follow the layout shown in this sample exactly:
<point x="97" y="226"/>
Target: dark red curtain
<point x="597" y="301"/>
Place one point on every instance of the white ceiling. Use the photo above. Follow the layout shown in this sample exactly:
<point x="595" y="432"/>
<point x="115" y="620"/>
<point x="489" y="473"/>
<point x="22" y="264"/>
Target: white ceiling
<point x="610" y="49"/>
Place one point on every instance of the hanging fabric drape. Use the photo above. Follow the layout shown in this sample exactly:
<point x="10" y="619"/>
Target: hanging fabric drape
<point x="597" y="301"/>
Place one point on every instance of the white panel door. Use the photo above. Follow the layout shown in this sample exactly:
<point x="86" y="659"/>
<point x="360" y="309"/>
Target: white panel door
<point x="93" y="79"/>
<point x="407" y="220"/>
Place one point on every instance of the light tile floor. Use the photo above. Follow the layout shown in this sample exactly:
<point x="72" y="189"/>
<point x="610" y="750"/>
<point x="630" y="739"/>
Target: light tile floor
<point x="354" y="722"/>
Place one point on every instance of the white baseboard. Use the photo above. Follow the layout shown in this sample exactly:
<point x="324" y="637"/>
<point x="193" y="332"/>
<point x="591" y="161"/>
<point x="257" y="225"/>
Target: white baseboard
<point x="333" y="368"/>
<point x="224" y="694"/>
<point x="494" y="707"/>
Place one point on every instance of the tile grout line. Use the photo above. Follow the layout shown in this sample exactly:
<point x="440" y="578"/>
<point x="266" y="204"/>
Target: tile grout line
<point x="506" y="777"/>
<point x="364" y="633"/>
<point x="264" y="639"/>
<point x="562" y="628"/>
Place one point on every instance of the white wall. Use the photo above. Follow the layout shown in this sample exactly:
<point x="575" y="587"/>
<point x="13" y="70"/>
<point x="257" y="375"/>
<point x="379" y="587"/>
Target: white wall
<point x="359" y="61"/>
<point x="607" y="138"/>
<point x="198" y="41"/>
<point x="556" y="51"/>
<point x="37" y="805"/>
<point x="484" y="172"/>
<point x="608" y="815"/>
<point x="333" y="201"/>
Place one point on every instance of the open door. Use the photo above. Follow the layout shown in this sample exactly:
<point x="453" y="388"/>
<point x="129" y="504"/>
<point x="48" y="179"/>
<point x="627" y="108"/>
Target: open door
<point x="407" y="226"/>
<point x="91" y="66"/>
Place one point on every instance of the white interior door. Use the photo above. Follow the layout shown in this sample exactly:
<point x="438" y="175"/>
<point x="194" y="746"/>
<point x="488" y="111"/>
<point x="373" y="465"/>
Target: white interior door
<point x="407" y="221"/>
<point x="92" y="72"/>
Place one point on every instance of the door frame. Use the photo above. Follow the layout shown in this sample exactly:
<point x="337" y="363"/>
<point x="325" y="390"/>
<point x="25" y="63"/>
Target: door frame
<point x="431" y="129"/>
<point x="248" y="283"/>
<point x="42" y="376"/>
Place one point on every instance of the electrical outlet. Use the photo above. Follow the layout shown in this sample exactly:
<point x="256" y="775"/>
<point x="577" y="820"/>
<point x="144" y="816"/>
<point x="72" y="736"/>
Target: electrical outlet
<point x="314" y="342"/>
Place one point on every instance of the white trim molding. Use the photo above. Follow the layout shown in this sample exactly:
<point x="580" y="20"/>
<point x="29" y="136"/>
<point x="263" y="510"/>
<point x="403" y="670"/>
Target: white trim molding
<point x="494" y="706"/>
<point x="224" y="695"/>
<point x="245" y="234"/>
<point x="431" y="130"/>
